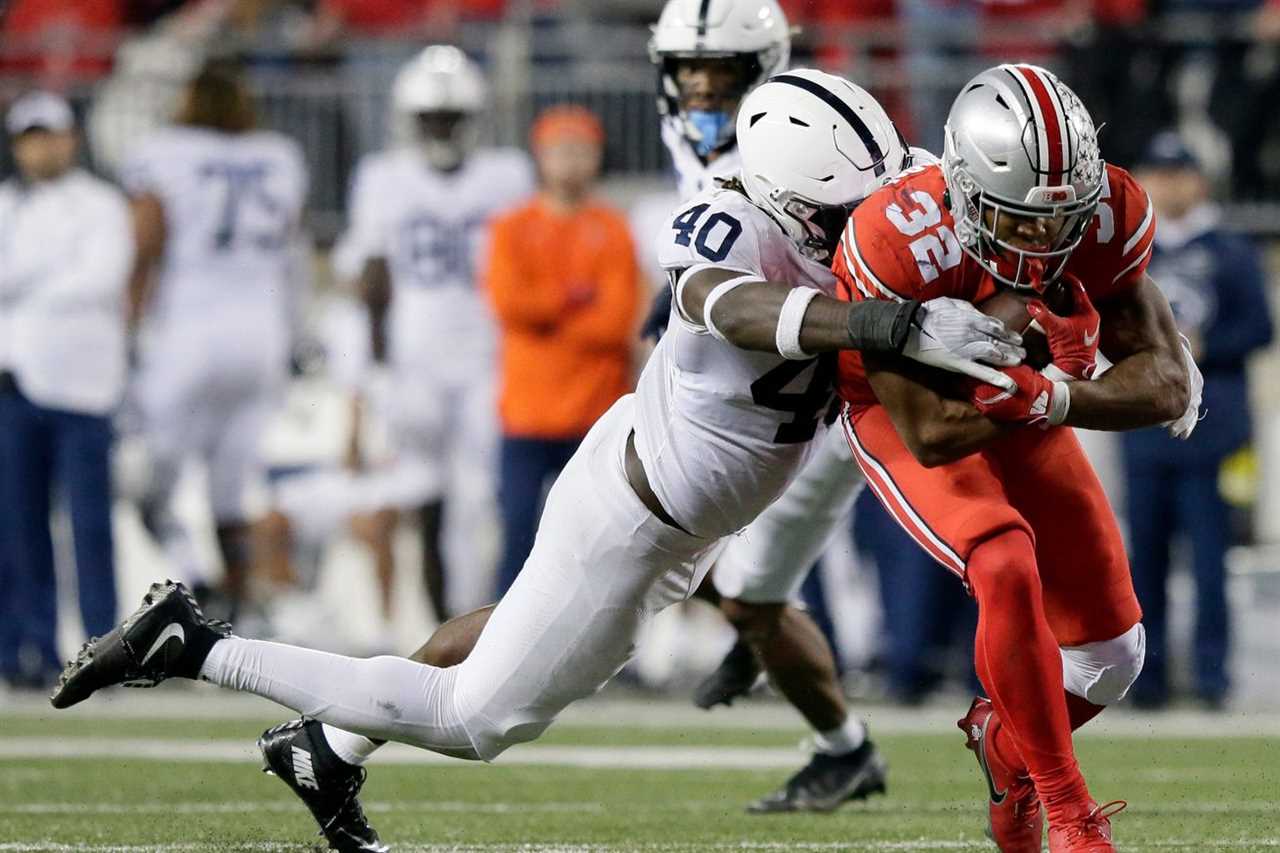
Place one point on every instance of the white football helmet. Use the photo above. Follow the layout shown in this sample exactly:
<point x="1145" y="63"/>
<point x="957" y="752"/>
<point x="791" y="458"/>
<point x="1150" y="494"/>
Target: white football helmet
<point x="751" y="35"/>
<point x="435" y="98"/>
<point x="1019" y="142"/>
<point x="813" y="146"/>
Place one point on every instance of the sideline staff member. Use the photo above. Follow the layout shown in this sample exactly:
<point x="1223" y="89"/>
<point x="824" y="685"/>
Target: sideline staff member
<point x="66" y="247"/>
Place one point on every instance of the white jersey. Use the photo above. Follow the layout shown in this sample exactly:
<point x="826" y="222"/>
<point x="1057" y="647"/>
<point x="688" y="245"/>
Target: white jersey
<point x="693" y="174"/>
<point x="721" y="430"/>
<point x="431" y="227"/>
<point x="232" y="205"/>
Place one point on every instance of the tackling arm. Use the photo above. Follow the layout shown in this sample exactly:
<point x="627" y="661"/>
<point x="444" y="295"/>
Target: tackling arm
<point x="1148" y="383"/>
<point x="800" y="323"/>
<point x="748" y="315"/>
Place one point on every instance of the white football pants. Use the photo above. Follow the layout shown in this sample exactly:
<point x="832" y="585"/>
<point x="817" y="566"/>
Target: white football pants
<point x="600" y="566"/>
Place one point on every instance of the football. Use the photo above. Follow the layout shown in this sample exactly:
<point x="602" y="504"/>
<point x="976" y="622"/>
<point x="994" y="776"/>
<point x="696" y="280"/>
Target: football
<point x="1010" y="307"/>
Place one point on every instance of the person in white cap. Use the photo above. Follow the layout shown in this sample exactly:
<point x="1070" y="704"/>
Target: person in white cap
<point x="65" y="255"/>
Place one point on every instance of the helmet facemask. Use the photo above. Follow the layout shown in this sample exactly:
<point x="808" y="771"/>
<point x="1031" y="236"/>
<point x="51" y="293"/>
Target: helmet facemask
<point x="444" y="136"/>
<point x="981" y="218"/>
<point x="815" y="228"/>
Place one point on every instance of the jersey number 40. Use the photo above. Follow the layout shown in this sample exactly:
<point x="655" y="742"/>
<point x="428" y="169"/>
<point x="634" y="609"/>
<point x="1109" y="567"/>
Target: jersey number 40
<point x="716" y="236"/>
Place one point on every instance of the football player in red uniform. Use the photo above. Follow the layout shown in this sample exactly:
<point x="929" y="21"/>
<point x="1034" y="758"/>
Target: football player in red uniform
<point x="986" y="480"/>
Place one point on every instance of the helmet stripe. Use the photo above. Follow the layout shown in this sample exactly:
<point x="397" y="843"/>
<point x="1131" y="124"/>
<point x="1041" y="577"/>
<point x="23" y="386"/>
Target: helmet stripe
<point x="1052" y="124"/>
<point x="846" y="112"/>
<point x="1060" y="110"/>
<point x="702" y="18"/>
<point x="1041" y="155"/>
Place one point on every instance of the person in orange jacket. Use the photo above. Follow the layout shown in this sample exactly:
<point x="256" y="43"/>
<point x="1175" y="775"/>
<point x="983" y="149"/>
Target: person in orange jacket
<point x="565" y="289"/>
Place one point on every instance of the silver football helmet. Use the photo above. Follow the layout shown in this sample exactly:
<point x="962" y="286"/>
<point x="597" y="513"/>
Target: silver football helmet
<point x="751" y="36"/>
<point x="1019" y="143"/>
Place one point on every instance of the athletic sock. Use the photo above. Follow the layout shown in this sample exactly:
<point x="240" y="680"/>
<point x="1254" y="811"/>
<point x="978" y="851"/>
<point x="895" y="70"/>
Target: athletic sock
<point x="841" y="740"/>
<point x="387" y="698"/>
<point x="348" y="746"/>
<point x="1021" y="666"/>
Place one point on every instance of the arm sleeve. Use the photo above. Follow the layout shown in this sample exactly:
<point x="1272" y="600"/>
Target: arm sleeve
<point x="1244" y="320"/>
<point x="98" y="273"/>
<point x="520" y="296"/>
<point x="609" y="320"/>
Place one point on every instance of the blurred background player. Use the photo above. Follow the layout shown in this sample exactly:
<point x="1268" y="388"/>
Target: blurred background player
<point x="709" y="56"/>
<point x="67" y="250"/>
<point x="565" y="290"/>
<point x="419" y="219"/>
<point x="217" y="208"/>
<point x="1213" y="279"/>
<point x="374" y="474"/>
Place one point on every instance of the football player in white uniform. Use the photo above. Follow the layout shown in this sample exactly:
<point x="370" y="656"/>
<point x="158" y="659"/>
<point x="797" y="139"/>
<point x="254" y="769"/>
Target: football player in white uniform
<point x="724" y="417"/>
<point x="217" y="208"/>
<point x="709" y="54"/>
<point x="419" y="217"/>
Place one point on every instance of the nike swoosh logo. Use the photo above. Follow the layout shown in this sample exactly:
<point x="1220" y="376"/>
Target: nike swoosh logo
<point x="172" y="630"/>
<point x="1090" y="340"/>
<point x="997" y="797"/>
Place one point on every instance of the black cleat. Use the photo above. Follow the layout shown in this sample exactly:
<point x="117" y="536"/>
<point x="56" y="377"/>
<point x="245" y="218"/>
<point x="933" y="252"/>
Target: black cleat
<point x="166" y="637"/>
<point x="734" y="677"/>
<point x="297" y="752"/>
<point x="828" y="781"/>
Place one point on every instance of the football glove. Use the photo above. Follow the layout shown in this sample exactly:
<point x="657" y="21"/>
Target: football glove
<point x="1183" y="426"/>
<point x="953" y="335"/>
<point x="1073" y="340"/>
<point x="1037" y="399"/>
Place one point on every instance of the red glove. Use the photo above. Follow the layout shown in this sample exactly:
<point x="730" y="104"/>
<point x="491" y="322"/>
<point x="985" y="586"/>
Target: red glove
<point x="1073" y="340"/>
<point x="1038" y="400"/>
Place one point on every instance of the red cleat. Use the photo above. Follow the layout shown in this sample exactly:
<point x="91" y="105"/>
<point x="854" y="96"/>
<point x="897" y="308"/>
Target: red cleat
<point x="1016" y="819"/>
<point x="1088" y="832"/>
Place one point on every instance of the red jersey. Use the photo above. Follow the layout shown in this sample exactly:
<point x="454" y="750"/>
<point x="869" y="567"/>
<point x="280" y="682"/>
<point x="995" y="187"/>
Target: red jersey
<point x="900" y="243"/>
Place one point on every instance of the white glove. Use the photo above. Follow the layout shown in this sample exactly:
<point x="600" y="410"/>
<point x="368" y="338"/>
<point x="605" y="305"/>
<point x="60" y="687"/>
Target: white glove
<point x="1183" y="426"/>
<point x="953" y="335"/>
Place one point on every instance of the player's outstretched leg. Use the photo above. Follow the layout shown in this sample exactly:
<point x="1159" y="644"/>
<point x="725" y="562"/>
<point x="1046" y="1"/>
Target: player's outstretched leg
<point x="167" y="636"/>
<point x="296" y="752"/>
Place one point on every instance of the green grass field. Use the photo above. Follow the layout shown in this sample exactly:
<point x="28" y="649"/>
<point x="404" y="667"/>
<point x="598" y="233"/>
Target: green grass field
<point x="72" y="783"/>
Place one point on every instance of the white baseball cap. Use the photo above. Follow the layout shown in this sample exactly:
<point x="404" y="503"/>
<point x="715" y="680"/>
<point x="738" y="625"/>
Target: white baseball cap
<point x="43" y="110"/>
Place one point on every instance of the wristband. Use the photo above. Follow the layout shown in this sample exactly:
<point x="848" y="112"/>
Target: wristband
<point x="881" y="326"/>
<point x="790" y="319"/>
<point x="1061" y="403"/>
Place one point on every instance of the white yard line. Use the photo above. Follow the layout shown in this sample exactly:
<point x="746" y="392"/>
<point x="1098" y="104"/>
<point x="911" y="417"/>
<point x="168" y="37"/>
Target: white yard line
<point x="908" y="846"/>
<point x="880" y="806"/>
<point x="601" y="757"/>
<point x="618" y="710"/>
<point x="527" y="755"/>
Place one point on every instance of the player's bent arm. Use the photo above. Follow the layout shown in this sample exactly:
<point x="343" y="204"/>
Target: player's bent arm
<point x="1148" y="383"/>
<point x="771" y="316"/>
<point x="149" y="235"/>
<point x="374" y="289"/>
<point x="935" y="428"/>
